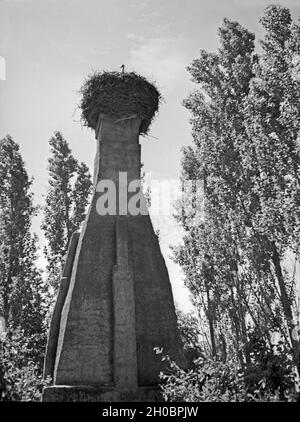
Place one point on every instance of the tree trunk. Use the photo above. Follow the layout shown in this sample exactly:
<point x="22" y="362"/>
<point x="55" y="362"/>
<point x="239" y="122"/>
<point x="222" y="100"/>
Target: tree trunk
<point x="210" y="317"/>
<point x="287" y="308"/>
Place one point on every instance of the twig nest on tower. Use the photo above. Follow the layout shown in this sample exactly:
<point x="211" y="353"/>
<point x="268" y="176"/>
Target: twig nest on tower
<point x="119" y="95"/>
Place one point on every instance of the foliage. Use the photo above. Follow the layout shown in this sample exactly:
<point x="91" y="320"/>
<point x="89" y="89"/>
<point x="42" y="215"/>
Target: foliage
<point x="269" y="376"/>
<point x="66" y="201"/>
<point x="25" y="298"/>
<point x="21" y="367"/>
<point x="189" y="329"/>
<point x="270" y="371"/>
<point x="245" y="127"/>
<point x="23" y="293"/>
<point x="120" y="95"/>
<point x="208" y="380"/>
<point x="21" y="285"/>
<point x="246" y="150"/>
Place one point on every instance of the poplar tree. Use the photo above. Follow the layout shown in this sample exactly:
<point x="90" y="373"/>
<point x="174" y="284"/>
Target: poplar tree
<point x="21" y="285"/>
<point x="66" y="200"/>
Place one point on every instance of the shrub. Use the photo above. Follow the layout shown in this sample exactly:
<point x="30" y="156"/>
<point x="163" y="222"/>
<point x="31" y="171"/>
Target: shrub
<point x="207" y="381"/>
<point x="21" y="367"/>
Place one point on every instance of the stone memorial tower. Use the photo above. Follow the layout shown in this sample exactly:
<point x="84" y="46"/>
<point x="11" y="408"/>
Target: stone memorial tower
<point x="115" y="302"/>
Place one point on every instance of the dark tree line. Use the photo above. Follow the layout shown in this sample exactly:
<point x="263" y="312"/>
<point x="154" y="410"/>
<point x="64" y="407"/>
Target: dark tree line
<point x="246" y="131"/>
<point x="27" y="293"/>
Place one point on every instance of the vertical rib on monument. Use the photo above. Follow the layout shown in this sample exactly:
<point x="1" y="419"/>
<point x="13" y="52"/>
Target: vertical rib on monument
<point x="115" y="305"/>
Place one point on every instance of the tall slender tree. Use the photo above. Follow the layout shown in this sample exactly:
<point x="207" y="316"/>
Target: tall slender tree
<point x="21" y="286"/>
<point x="245" y="126"/>
<point x="67" y="197"/>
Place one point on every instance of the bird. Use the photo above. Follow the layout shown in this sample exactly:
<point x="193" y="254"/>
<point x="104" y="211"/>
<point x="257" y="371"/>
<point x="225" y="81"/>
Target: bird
<point x="123" y="68"/>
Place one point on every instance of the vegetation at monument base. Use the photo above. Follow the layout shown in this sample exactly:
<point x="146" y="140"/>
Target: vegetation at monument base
<point x="121" y="95"/>
<point x="242" y="345"/>
<point x="246" y="128"/>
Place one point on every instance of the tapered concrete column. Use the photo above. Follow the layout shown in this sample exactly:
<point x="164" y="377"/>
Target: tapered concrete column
<point x="116" y="305"/>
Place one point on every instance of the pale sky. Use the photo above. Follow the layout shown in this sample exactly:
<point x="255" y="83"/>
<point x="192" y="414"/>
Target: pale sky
<point x="50" y="46"/>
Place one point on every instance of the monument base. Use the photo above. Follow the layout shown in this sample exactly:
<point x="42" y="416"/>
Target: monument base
<point x="83" y="393"/>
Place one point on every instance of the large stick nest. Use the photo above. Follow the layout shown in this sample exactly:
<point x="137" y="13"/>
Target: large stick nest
<point x="119" y="95"/>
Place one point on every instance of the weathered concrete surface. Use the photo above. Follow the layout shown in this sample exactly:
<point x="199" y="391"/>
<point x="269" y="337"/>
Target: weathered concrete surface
<point x="55" y="320"/>
<point x="119" y="304"/>
<point x="125" y="355"/>
<point x="83" y="393"/>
